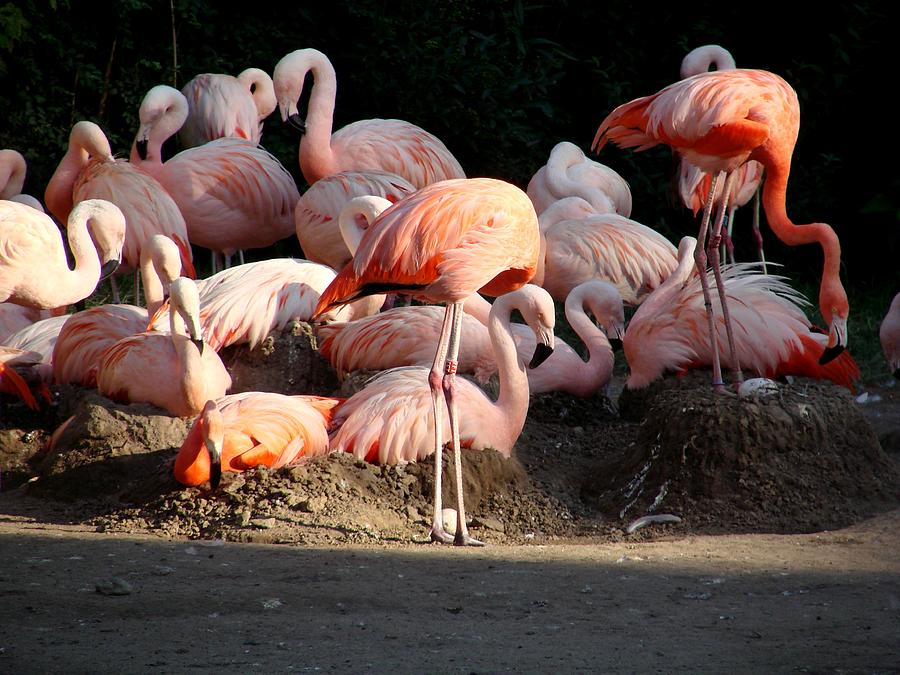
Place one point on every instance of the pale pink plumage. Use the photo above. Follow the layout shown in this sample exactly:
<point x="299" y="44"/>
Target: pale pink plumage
<point x="233" y="194"/>
<point x="388" y="145"/>
<point x="388" y="422"/>
<point x="12" y="179"/>
<point x="15" y="317"/>
<point x="889" y="334"/>
<point x="39" y="337"/>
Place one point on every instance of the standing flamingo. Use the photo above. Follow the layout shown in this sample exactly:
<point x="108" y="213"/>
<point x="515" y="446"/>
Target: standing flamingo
<point x="12" y="179"/>
<point x="169" y="370"/>
<point x="889" y="334"/>
<point x="443" y="243"/>
<point x="395" y="146"/>
<point x="34" y="270"/>
<point x="240" y="431"/>
<point x="773" y="336"/>
<point x="233" y="194"/>
<point x="718" y="121"/>
<point x="89" y="171"/>
<point x="387" y="422"/>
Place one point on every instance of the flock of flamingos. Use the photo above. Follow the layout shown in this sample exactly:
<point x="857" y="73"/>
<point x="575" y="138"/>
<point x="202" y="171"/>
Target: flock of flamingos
<point x="390" y="211"/>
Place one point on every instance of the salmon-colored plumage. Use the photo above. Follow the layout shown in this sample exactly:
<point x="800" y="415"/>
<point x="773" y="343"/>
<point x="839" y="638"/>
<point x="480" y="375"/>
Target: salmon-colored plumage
<point x="12" y="382"/>
<point x="889" y="334"/>
<point x="12" y="179"/>
<point x="395" y="146"/>
<point x="255" y="429"/>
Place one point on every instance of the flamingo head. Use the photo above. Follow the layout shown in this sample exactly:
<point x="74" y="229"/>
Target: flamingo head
<point x="835" y="309"/>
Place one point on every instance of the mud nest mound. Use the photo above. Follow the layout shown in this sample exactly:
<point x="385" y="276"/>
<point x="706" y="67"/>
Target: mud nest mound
<point x="801" y="460"/>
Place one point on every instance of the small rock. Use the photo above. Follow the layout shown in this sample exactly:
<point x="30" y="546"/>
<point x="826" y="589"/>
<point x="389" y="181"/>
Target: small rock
<point x="245" y="517"/>
<point x="114" y="586"/>
<point x="491" y="524"/>
<point x="314" y="504"/>
<point x="263" y="523"/>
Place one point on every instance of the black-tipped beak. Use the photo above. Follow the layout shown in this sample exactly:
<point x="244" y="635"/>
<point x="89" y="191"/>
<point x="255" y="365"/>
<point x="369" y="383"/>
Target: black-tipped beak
<point x="107" y="268"/>
<point x="616" y="344"/>
<point x="215" y="474"/>
<point x="297" y="122"/>
<point x="199" y="344"/>
<point x="541" y="353"/>
<point x="897" y="373"/>
<point x="141" y="146"/>
<point x="830" y="354"/>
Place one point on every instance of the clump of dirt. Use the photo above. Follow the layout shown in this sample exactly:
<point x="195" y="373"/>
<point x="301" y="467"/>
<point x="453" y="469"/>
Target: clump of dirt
<point x="801" y="460"/>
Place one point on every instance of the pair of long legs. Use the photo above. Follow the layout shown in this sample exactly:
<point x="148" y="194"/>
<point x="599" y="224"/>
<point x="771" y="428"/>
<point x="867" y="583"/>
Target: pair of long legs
<point x="442" y="381"/>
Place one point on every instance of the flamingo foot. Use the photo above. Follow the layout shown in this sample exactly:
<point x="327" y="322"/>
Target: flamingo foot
<point x="464" y="539"/>
<point x="439" y="534"/>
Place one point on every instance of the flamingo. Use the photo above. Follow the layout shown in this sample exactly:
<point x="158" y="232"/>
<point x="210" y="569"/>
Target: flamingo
<point x="387" y="423"/>
<point x="568" y="173"/>
<point x="317" y="213"/>
<point x="693" y="183"/>
<point x="395" y="146"/>
<point x="15" y="317"/>
<point x="169" y="370"/>
<point x="773" y="336"/>
<point x="401" y="337"/>
<point x="89" y="171"/>
<point x="34" y="270"/>
<point x="443" y="243"/>
<point x="889" y="334"/>
<point x="11" y="381"/>
<point x="40" y="338"/>
<point x="85" y="336"/>
<point x="253" y="428"/>
<point x="245" y="303"/>
<point x="12" y="179"/>
<point x="233" y="194"/>
<point x="718" y="121"/>
<point x="221" y="106"/>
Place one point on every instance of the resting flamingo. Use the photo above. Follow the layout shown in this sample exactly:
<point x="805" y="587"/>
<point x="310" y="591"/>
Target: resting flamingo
<point x="233" y="194"/>
<point x="889" y="334"/>
<point x="317" y="214"/>
<point x="395" y="146"/>
<point x="402" y="337"/>
<point x="774" y="338"/>
<point x="15" y="317"/>
<point x="222" y="106"/>
<point x="244" y="304"/>
<point x="443" y="243"/>
<point x="34" y="270"/>
<point x="40" y="338"/>
<point x="89" y="171"/>
<point x="387" y="423"/>
<point x="238" y="432"/>
<point x="12" y="179"/>
<point x="718" y="121"/>
<point x="13" y="382"/>
<point x="568" y="173"/>
<point x="85" y="336"/>
<point x="170" y="370"/>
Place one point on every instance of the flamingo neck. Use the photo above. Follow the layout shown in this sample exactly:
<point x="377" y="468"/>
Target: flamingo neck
<point x="601" y="359"/>
<point x="154" y="294"/>
<point x="58" y="195"/>
<point x="79" y="283"/>
<point x="512" y="401"/>
<point x="12" y="174"/>
<point x="316" y="156"/>
<point x="191" y="365"/>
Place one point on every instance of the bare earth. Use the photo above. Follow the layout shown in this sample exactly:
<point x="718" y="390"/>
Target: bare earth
<point x="786" y="558"/>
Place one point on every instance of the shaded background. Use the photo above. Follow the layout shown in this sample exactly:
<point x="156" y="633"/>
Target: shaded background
<point x="499" y="82"/>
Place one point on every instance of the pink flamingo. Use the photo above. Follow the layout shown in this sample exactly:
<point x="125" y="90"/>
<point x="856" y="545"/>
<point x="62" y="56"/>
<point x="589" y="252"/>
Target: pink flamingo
<point x="222" y="106"/>
<point x="241" y="431"/>
<point x="388" y="145"/>
<point x="718" y="121"/>
<point x="773" y="336"/>
<point x="11" y="381"/>
<point x="568" y="173"/>
<point x="245" y="303"/>
<point x="386" y="422"/>
<point x="40" y="338"/>
<point x="401" y="337"/>
<point x="34" y="270"/>
<point x="443" y="243"/>
<point x="889" y="334"/>
<point x="85" y="336"/>
<point x="233" y="194"/>
<point x="15" y="317"/>
<point x="169" y="370"/>
<point x="317" y="213"/>
<point x="12" y="179"/>
<point x="89" y="171"/>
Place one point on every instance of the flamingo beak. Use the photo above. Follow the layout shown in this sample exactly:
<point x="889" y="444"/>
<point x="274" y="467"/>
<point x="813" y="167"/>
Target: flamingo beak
<point x="837" y="341"/>
<point x="198" y="342"/>
<point x="542" y="350"/>
<point x="141" y="145"/>
<point x="107" y="268"/>
<point x="297" y="122"/>
<point x="215" y="463"/>
<point x="616" y="344"/>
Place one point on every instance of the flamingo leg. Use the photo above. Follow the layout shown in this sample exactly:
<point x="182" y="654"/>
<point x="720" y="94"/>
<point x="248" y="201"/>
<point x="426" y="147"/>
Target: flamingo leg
<point x="435" y="382"/>
<point x="714" y="242"/>
<point x="757" y="234"/>
<point x="700" y="261"/>
<point x="116" y="298"/>
<point x="727" y="243"/>
<point x="137" y="287"/>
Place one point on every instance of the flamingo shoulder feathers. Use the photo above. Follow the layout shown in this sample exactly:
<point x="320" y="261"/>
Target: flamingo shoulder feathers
<point x="219" y="106"/>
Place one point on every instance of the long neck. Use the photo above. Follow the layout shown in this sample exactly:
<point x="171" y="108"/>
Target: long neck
<point x="478" y="308"/>
<point x="58" y="195"/>
<point x="600" y="354"/>
<point x="512" y="402"/>
<point x="154" y="293"/>
<point x="12" y="174"/>
<point x="682" y="272"/>
<point x="191" y="362"/>
<point x="316" y="157"/>
<point x="77" y="284"/>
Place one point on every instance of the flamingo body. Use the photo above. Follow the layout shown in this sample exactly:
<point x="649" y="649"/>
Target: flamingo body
<point x="889" y="334"/>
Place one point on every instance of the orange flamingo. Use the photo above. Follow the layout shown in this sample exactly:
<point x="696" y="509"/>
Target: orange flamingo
<point x="34" y="270"/>
<point x="317" y="213"/>
<point x="222" y="106"/>
<point x="773" y="337"/>
<point x="85" y="336"/>
<point x="13" y="382"/>
<point x="233" y="194"/>
<point x="395" y="146"/>
<point x="718" y="121"/>
<point x="568" y="173"/>
<point x="889" y="334"/>
<point x="171" y="371"/>
<point x="12" y="179"/>
<point x="386" y="422"/>
<point x="244" y="304"/>
<point x="241" y="431"/>
<point x="443" y="243"/>
<point x="89" y="171"/>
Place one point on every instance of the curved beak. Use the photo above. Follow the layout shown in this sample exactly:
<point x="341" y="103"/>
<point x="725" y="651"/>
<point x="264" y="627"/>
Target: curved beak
<point x="107" y="268"/>
<point x="199" y="344"/>
<point x="215" y="463"/>
<point x="141" y="145"/>
<point x="297" y="122"/>
<point x="837" y="341"/>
